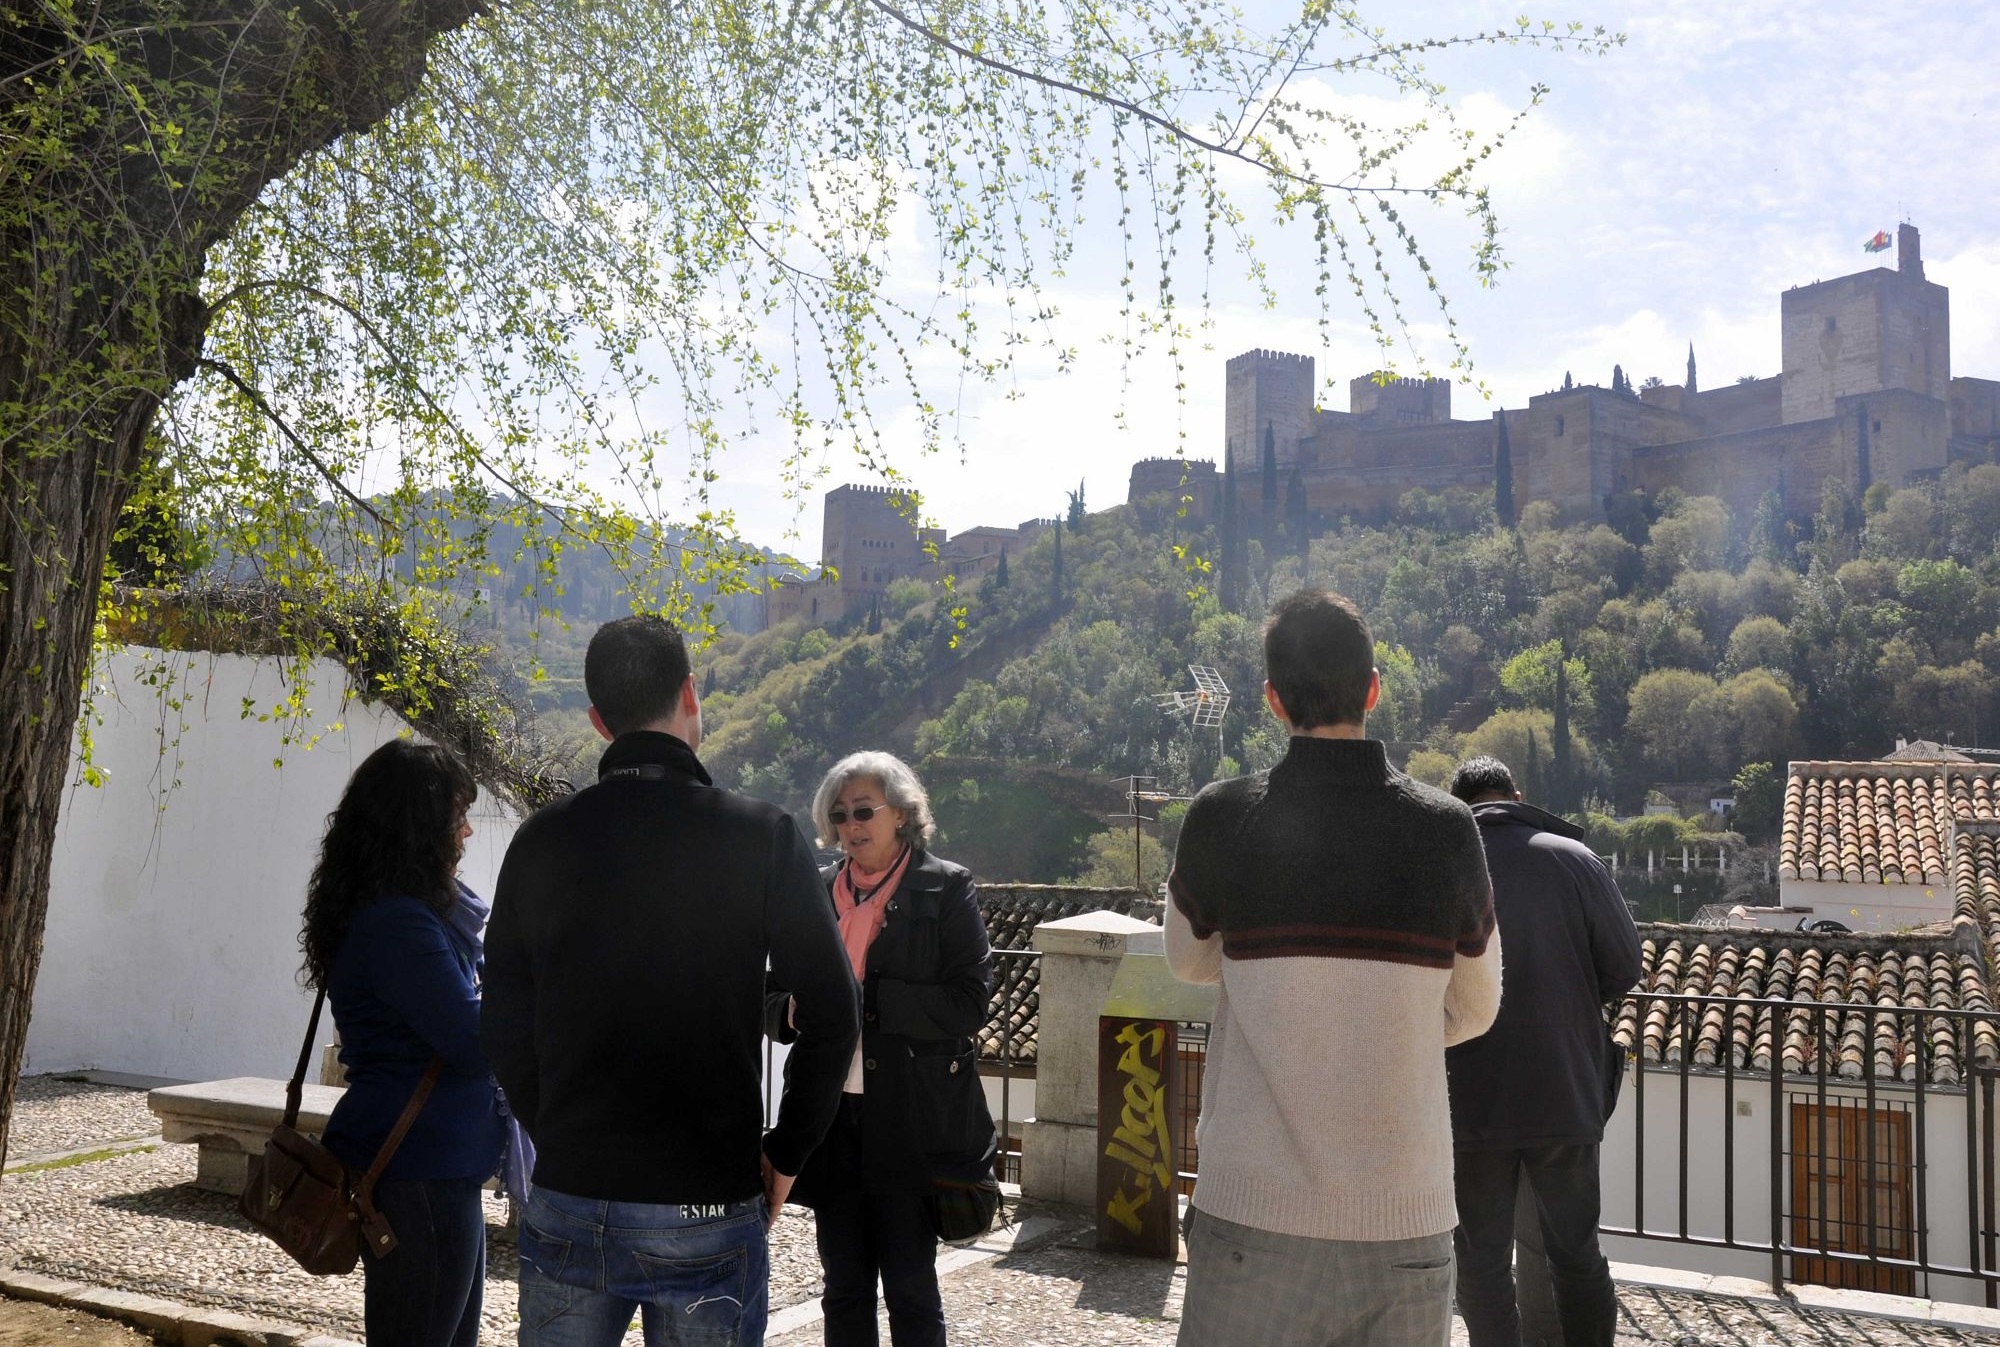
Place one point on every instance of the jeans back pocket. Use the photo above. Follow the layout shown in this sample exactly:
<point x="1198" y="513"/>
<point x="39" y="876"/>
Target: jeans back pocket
<point x="703" y="1293"/>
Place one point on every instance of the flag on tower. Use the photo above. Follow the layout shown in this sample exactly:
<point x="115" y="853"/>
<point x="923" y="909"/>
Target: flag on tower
<point x="1877" y="244"/>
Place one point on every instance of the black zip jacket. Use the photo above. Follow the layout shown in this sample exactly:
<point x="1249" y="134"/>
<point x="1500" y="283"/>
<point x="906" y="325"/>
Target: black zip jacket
<point x="1538" y="1077"/>
<point x="625" y="964"/>
<point x="923" y="1003"/>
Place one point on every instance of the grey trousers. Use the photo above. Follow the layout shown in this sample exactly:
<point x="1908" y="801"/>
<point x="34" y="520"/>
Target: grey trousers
<point x="1247" y="1286"/>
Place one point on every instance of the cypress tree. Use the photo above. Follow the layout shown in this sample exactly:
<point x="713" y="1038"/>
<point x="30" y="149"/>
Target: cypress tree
<point x="1297" y="515"/>
<point x="1232" y="578"/>
<point x="1270" y="494"/>
<point x="1561" y="799"/>
<point x="1530" y="780"/>
<point x="1000" y="573"/>
<point x="1056" y="568"/>
<point x="1691" y="388"/>
<point x="1503" y="472"/>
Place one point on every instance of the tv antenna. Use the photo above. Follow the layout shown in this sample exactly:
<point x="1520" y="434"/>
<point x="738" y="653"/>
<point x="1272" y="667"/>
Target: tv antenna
<point x="1208" y="701"/>
<point x="1141" y="791"/>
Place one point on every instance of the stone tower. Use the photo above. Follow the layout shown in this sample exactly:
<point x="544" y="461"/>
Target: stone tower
<point x="1267" y="389"/>
<point x="1400" y="402"/>
<point x="869" y="542"/>
<point x="1871" y="332"/>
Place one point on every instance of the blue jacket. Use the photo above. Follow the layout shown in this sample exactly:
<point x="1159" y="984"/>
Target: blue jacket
<point x="404" y="986"/>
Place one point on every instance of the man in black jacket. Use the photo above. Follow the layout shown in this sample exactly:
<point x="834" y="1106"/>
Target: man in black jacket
<point x="1529" y="1100"/>
<point x="632" y="925"/>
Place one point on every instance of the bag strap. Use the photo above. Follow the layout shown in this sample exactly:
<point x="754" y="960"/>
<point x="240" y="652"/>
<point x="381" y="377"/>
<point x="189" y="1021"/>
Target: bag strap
<point x="364" y="1190"/>
<point x="295" y="1091"/>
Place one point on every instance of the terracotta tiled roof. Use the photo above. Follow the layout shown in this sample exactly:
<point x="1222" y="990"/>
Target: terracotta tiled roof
<point x="1880" y="822"/>
<point x="1975" y="883"/>
<point x="1908" y="971"/>
<point x="1012" y="913"/>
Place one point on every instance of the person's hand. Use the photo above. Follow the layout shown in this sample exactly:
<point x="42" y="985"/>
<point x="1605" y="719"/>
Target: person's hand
<point x="777" y="1187"/>
<point x="792" y="1012"/>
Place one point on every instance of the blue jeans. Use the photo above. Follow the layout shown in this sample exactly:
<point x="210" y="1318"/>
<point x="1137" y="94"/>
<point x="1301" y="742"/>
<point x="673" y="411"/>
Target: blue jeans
<point x="426" y="1291"/>
<point x="698" y="1275"/>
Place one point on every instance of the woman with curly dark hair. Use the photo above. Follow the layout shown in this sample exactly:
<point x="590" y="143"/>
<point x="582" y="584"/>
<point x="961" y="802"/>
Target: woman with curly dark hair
<point x="393" y="939"/>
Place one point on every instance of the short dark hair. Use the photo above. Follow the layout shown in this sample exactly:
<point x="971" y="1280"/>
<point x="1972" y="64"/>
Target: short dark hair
<point x="1319" y="655"/>
<point x="1483" y="775"/>
<point x="634" y="669"/>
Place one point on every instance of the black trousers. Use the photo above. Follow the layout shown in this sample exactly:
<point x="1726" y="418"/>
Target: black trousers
<point x="1564" y="1183"/>
<point x="866" y="1235"/>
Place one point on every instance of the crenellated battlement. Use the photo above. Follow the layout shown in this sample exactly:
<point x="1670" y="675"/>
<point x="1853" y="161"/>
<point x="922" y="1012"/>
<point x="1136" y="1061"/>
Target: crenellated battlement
<point x="1264" y="357"/>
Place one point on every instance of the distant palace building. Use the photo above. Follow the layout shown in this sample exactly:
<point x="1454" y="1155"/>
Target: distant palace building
<point x="1865" y="395"/>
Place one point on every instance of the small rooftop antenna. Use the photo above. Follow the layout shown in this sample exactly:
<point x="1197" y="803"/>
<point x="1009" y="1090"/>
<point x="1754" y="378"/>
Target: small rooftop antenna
<point x="1207" y="703"/>
<point x="1141" y="791"/>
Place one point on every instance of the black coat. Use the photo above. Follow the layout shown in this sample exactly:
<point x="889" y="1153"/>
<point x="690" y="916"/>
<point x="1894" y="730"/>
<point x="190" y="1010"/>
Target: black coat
<point x="633" y="924"/>
<point x="923" y="1003"/>
<point x="1538" y="1077"/>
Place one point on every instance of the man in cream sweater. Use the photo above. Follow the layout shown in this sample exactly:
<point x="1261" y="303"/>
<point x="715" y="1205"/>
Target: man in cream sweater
<point x="1346" y="911"/>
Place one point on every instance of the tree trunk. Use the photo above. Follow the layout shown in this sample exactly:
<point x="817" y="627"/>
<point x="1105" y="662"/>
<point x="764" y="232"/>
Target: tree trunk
<point x="101" y="254"/>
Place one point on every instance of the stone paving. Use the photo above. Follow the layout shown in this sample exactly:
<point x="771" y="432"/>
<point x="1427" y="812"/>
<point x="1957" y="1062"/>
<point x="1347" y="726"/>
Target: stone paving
<point x="133" y="1221"/>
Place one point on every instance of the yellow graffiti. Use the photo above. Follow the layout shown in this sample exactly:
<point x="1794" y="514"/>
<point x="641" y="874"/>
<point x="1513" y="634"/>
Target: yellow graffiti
<point x="1140" y="1142"/>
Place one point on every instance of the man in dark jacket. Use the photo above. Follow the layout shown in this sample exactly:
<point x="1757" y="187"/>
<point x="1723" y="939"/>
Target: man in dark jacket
<point x="623" y="1015"/>
<point x="1529" y="1100"/>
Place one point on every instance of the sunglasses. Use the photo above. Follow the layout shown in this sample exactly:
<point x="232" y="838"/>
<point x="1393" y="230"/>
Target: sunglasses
<point x="862" y="814"/>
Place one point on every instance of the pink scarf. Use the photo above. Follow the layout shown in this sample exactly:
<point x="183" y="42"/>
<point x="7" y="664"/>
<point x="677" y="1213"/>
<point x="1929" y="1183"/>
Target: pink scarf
<point x="861" y="900"/>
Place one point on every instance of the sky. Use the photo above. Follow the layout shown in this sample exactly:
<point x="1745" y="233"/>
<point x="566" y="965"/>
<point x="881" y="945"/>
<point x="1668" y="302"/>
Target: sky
<point x="1663" y="194"/>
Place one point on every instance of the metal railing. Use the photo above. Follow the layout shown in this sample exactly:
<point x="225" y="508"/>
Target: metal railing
<point x="1875" y="1166"/>
<point x="1860" y="1098"/>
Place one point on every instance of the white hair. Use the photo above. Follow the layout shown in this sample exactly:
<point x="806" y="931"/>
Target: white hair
<point x="900" y="789"/>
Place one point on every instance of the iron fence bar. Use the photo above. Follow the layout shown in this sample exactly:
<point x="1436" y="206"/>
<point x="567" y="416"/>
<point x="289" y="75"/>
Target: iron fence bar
<point x="1868" y="1069"/>
<point x="1819" y="1053"/>
<point x="1639" y="1130"/>
<point x="1728" y="1134"/>
<point x="1972" y="1246"/>
<point x="1777" y="1153"/>
<point x="1920" y="1048"/>
<point x="1987" y="1176"/>
<point x="1687" y="1059"/>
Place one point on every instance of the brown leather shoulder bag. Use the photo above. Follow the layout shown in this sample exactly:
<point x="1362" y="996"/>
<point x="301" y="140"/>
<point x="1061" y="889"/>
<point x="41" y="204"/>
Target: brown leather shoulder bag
<point x="302" y="1196"/>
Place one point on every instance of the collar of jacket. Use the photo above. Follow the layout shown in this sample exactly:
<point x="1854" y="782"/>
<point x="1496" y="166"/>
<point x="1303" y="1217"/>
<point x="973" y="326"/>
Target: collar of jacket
<point x="652" y="746"/>
<point x="1362" y="760"/>
<point x="1510" y="813"/>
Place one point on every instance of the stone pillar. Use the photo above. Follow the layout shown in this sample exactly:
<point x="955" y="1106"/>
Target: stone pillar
<point x="1080" y="956"/>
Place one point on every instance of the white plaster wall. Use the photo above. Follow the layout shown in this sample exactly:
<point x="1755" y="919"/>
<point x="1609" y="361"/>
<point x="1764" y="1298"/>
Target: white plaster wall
<point x="1712" y="1113"/>
<point x="172" y="940"/>
<point x="1867" y="907"/>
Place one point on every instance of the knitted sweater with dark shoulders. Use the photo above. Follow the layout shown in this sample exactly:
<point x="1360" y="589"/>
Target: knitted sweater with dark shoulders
<point x="1346" y="911"/>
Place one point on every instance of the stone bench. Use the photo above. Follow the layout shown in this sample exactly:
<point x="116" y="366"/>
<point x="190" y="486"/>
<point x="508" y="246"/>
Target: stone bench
<point x="230" y="1120"/>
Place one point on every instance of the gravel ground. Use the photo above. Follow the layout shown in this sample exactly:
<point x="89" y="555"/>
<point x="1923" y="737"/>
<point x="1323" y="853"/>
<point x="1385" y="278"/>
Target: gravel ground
<point x="52" y="1114"/>
<point x="1065" y="1293"/>
<point x="135" y="1222"/>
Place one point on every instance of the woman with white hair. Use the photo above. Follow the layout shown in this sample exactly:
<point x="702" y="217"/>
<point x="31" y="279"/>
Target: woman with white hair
<point x="913" y="1115"/>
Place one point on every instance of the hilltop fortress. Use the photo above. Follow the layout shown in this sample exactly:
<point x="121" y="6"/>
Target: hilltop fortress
<point x="1865" y="394"/>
